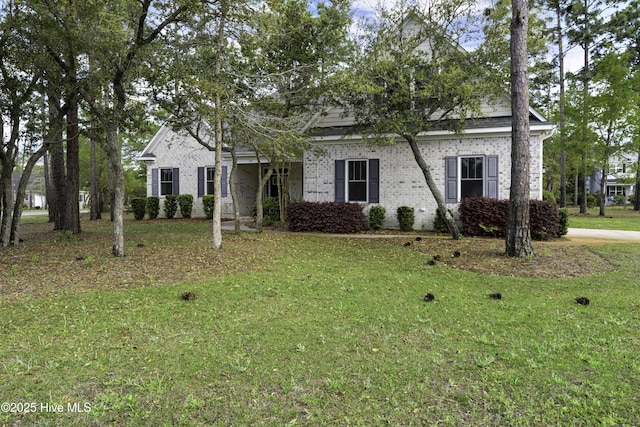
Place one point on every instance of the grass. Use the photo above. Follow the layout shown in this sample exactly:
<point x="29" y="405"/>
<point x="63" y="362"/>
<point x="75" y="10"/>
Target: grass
<point x="331" y="332"/>
<point x="616" y="218"/>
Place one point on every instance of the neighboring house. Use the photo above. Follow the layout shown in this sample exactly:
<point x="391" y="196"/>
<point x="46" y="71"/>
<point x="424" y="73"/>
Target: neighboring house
<point x="620" y="179"/>
<point x="178" y="164"/>
<point x="33" y="197"/>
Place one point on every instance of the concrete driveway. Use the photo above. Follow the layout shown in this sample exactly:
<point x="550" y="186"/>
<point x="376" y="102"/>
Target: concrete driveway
<point x="602" y="236"/>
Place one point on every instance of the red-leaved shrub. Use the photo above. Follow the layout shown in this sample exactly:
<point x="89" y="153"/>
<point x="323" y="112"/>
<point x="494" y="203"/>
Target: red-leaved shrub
<point x="482" y="216"/>
<point x="326" y="217"/>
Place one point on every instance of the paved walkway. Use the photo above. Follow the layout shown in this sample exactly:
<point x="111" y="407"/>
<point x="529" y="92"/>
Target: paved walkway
<point x="577" y="235"/>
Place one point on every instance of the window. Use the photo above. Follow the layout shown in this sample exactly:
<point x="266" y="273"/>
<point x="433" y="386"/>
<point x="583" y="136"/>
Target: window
<point x="357" y="181"/>
<point x="618" y="169"/>
<point x="271" y="189"/>
<point x="166" y="181"/>
<point x="471" y="177"/>
<point x="616" y="190"/>
<point x="206" y="180"/>
<point x="210" y="180"/>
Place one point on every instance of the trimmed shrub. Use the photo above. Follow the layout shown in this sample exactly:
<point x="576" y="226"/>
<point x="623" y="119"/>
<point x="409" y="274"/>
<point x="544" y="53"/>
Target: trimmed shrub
<point x="207" y="205"/>
<point x="619" y="200"/>
<point x="185" y="201"/>
<point x="563" y="228"/>
<point x="170" y="206"/>
<point x="592" y="201"/>
<point x="406" y="218"/>
<point x="439" y="225"/>
<point x="270" y="210"/>
<point x="326" y="217"/>
<point x="377" y="215"/>
<point x="544" y="219"/>
<point x="482" y="216"/>
<point x="138" y="206"/>
<point x="153" y="207"/>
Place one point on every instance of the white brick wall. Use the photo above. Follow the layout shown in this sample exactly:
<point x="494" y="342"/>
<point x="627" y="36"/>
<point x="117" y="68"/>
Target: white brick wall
<point x="402" y="182"/>
<point x="178" y="150"/>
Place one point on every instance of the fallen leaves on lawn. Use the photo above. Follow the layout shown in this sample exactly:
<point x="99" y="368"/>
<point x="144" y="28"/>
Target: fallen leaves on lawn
<point x="52" y="263"/>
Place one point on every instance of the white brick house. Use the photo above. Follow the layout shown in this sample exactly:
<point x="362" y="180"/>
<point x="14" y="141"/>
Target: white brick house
<point x="346" y="168"/>
<point x="178" y="164"/>
<point x="476" y="162"/>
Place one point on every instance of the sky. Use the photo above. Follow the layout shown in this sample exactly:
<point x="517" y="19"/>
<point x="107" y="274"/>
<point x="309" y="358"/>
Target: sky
<point x="574" y="58"/>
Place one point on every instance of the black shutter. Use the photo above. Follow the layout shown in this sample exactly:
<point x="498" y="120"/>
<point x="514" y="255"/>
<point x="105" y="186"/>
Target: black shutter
<point x="154" y="182"/>
<point x="223" y="183"/>
<point x="340" y="181"/>
<point x="491" y="177"/>
<point x="451" y="179"/>
<point x="176" y="181"/>
<point x="374" y="181"/>
<point x="200" y="181"/>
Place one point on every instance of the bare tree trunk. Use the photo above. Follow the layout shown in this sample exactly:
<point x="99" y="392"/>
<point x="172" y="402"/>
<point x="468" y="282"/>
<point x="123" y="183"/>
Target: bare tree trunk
<point x="47" y="186"/>
<point x="6" y="202"/>
<point x="24" y="179"/>
<point x="217" y="172"/>
<point x="518" y="239"/>
<point x="217" y="175"/>
<point x="636" y="195"/>
<point x="95" y="194"/>
<point x="112" y="194"/>
<point x="585" y="108"/>
<point x="563" y="152"/>
<point x="262" y="180"/>
<point x="73" y="166"/>
<point x="426" y="171"/>
<point x="286" y="191"/>
<point x="232" y="189"/>
<point x="7" y="162"/>
<point x="583" y="184"/>
<point x="602" y="199"/>
<point x="58" y="202"/>
<point x="114" y="154"/>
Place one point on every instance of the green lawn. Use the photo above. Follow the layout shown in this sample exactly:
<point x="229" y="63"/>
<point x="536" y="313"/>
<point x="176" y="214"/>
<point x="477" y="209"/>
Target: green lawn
<point x="332" y="332"/>
<point x="616" y="218"/>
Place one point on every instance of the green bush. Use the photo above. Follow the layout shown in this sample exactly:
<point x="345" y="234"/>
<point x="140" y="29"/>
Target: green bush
<point x="377" y="215"/>
<point x="563" y="226"/>
<point x="439" y="225"/>
<point x="207" y="205"/>
<point x="619" y="200"/>
<point x="170" y="206"/>
<point x="270" y="210"/>
<point x="138" y="206"/>
<point x="406" y="218"/>
<point x="592" y="201"/>
<point x="548" y="195"/>
<point x="185" y="201"/>
<point x="153" y="207"/>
